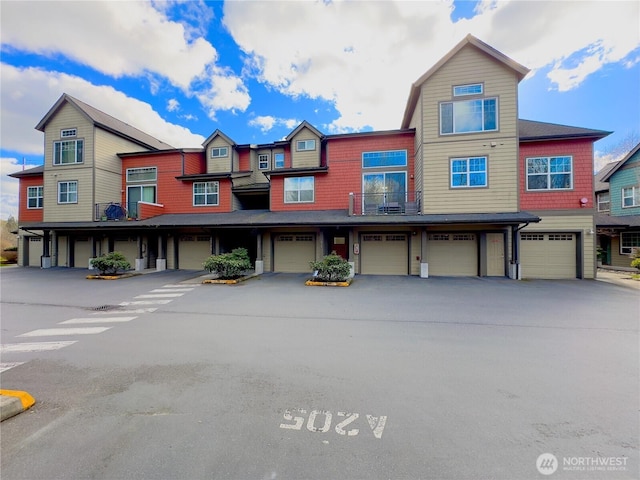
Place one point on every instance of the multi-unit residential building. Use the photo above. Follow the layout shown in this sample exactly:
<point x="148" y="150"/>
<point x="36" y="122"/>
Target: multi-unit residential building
<point x="617" y="189"/>
<point x="462" y="188"/>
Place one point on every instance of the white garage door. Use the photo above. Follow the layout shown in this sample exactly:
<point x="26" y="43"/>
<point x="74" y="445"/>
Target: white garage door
<point x="293" y="251"/>
<point x="36" y="246"/>
<point x="193" y="250"/>
<point x="548" y="255"/>
<point x="384" y="254"/>
<point x="452" y="254"/>
<point x="128" y="246"/>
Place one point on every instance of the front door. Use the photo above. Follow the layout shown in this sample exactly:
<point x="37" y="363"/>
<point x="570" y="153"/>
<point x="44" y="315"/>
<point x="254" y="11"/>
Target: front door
<point x="495" y="255"/>
<point x="339" y="245"/>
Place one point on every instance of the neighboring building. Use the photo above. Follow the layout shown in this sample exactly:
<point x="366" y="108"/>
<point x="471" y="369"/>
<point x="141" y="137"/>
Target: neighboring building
<point x="617" y="190"/>
<point x="463" y="188"/>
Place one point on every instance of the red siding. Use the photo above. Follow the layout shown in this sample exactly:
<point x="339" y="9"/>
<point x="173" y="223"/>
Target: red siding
<point x="344" y="159"/>
<point x="29" y="214"/>
<point x="582" y="153"/>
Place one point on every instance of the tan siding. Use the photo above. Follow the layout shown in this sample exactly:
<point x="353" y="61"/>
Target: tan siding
<point x="618" y="259"/>
<point x="218" y="165"/>
<point x="62" y="253"/>
<point x="266" y="252"/>
<point x="305" y="158"/>
<point x="82" y="253"/>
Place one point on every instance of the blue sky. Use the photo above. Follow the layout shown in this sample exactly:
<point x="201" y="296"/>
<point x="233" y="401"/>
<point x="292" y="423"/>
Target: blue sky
<point x="179" y="70"/>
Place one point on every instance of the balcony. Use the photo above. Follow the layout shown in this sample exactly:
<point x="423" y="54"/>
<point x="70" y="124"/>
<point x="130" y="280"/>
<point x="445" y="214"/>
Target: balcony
<point x="387" y="203"/>
<point x="114" y="211"/>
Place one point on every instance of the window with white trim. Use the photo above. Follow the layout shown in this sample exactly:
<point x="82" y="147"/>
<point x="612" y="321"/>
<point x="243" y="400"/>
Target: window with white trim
<point x="549" y="173"/>
<point x="263" y="161"/>
<point x="67" y="152"/>
<point x="34" y="197"/>
<point x="68" y="192"/>
<point x="604" y="202"/>
<point x="469" y="116"/>
<point x="219" y="152"/>
<point x="299" y="189"/>
<point x="206" y="193"/>
<point x="629" y="241"/>
<point x="304" y="145"/>
<point x="469" y="172"/>
<point x="68" y="132"/>
<point x="388" y="158"/>
<point x="630" y="197"/>
<point x="278" y="160"/>
<point x="142" y="174"/>
<point x="470" y="89"/>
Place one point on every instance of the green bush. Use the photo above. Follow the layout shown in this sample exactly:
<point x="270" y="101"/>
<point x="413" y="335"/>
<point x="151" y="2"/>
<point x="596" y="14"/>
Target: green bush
<point x="110" y="263"/>
<point x="229" y="266"/>
<point x="332" y="268"/>
<point x="635" y="263"/>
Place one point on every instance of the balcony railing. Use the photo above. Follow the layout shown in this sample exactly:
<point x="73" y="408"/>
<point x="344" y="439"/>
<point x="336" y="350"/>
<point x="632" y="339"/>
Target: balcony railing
<point x="115" y="211"/>
<point x="386" y="203"/>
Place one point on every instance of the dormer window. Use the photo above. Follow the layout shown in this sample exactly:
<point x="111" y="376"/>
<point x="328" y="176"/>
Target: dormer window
<point x="219" y="152"/>
<point x="68" y="132"/>
<point x="305" y="145"/>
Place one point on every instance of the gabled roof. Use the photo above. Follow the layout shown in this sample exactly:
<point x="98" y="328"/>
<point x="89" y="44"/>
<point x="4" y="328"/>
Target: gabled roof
<point x="31" y="172"/>
<point x="414" y="93"/>
<point x="218" y="133"/>
<point x="304" y="124"/>
<point x="627" y="157"/>
<point x="599" y="185"/>
<point x="529" y="130"/>
<point x="104" y="121"/>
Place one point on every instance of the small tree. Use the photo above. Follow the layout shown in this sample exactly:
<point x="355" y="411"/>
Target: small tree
<point x="110" y="263"/>
<point x="229" y="266"/>
<point x="332" y="268"/>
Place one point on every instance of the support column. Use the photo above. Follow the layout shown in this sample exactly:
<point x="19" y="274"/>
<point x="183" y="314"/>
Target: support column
<point x="259" y="267"/>
<point x="45" y="260"/>
<point x="93" y="251"/>
<point x="139" y="260"/>
<point x="424" y="266"/>
<point x="161" y="261"/>
<point x="350" y="255"/>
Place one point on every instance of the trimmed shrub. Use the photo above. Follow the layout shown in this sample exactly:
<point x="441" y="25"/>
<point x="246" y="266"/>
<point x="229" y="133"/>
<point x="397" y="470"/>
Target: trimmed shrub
<point x="110" y="263"/>
<point x="635" y="263"/>
<point x="229" y="266"/>
<point x="332" y="268"/>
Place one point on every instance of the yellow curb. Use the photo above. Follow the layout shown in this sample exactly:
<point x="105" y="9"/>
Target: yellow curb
<point x="312" y="283"/>
<point x="27" y="400"/>
<point x="111" y="277"/>
<point x="229" y="282"/>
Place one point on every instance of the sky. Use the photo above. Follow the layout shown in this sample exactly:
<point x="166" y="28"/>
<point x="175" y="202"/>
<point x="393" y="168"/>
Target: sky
<point x="179" y="70"/>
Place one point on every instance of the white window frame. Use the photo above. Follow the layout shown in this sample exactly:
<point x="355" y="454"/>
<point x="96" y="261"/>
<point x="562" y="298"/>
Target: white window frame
<point x="465" y="90"/>
<point x="139" y="170"/>
<point x="306" y="145"/>
<point x="602" y="202"/>
<point x="278" y="160"/>
<point x="455" y="129"/>
<point x="219" y="152"/>
<point x="263" y="161"/>
<point x="298" y="190"/>
<point x="60" y="144"/>
<point x="206" y="195"/>
<point x="549" y="173"/>
<point x="468" y="172"/>
<point x="391" y="154"/>
<point x="628" y="242"/>
<point x="38" y="197"/>
<point x="68" y="183"/>
<point x="68" y="132"/>
<point x="635" y="196"/>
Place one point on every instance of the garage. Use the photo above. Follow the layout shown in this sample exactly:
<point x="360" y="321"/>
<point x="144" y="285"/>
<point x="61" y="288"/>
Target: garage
<point x="548" y="255"/>
<point x="293" y="251"/>
<point x="193" y="250"/>
<point x="128" y="246"/>
<point x="81" y="252"/>
<point x="35" y="250"/>
<point x="452" y="254"/>
<point x="384" y="254"/>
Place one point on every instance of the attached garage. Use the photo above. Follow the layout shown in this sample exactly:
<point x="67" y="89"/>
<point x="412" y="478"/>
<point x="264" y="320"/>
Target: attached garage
<point x="452" y="254"/>
<point x="193" y="250"/>
<point x="81" y="252"/>
<point x="548" y="255"/>
<point x="384" y="254"/>
<point x="293" y="251"/>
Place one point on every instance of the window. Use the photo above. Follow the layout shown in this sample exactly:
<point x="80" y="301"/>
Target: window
<point x="263" y="161"/>
<point x="630" y="197"/>
<point x="34" y="197"/>
<point x="68" y="132"/>
<point x="473" y="89"/>
<point x="549" y="173"/>
<point x="604" y="202"/>
<point x="303" y="145"/>
<point x="278" y="159"/>
<point x="139" y="193"/>
<point x="205" y="193"/>
<point x="629" y="241"/>
<point x="298" y="189"/>
<point x="531" y="236"/>
<point x="218" y="152"/>
<point x="469" y="116"/>
<point x="383" y="188"/>
<point x="391" y="158"/>
<point x="68" y="192"/>
<point x="143" y="174"/>
<point x="469" y="172"/>
<point x="67" y="151"/>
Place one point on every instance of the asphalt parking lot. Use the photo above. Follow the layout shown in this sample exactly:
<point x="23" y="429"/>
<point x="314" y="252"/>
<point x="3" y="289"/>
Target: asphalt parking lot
<point x="392" y="377"/>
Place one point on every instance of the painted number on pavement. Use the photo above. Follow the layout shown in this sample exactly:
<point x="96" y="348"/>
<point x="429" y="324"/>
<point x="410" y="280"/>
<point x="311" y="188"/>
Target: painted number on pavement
<point x="320" y="421"/>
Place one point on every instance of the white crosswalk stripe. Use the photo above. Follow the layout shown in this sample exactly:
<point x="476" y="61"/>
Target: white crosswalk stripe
<point x="160" y="295"/>
<point x="171" y="290"/>
<point x="9" y="365"/>
<point x="187" y="285"/>
<point x="145" y="302"/>
<point x="34" y="347"/>
<point x="54" y="332"/>
<point x="126" y="312"/>
<point x="97" y="320"/>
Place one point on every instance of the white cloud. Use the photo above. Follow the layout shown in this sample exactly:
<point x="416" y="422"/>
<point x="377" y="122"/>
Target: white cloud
<point x="363" y="56"/>
<point x="27" y="94"/>
<point x="9" y="186"/>
<point x="173" y="105"/>
<point x="267" y="122"/>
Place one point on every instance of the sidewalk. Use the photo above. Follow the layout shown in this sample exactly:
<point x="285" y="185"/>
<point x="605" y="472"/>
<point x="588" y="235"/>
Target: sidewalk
<point x="618" y="277"/>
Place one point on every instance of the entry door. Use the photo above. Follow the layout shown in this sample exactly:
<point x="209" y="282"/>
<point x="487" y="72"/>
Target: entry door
<point x="495" y="255"/>
<point x="135" y="194"/>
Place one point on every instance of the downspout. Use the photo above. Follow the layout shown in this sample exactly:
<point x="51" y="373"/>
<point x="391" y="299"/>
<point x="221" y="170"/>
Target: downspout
<point x="515" y="251"/>
<point x="182" y="155"/>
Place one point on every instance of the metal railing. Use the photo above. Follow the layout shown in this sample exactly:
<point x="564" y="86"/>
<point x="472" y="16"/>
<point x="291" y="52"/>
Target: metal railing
<point x="114" y="211"/>
<point x="386" y="203"/>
